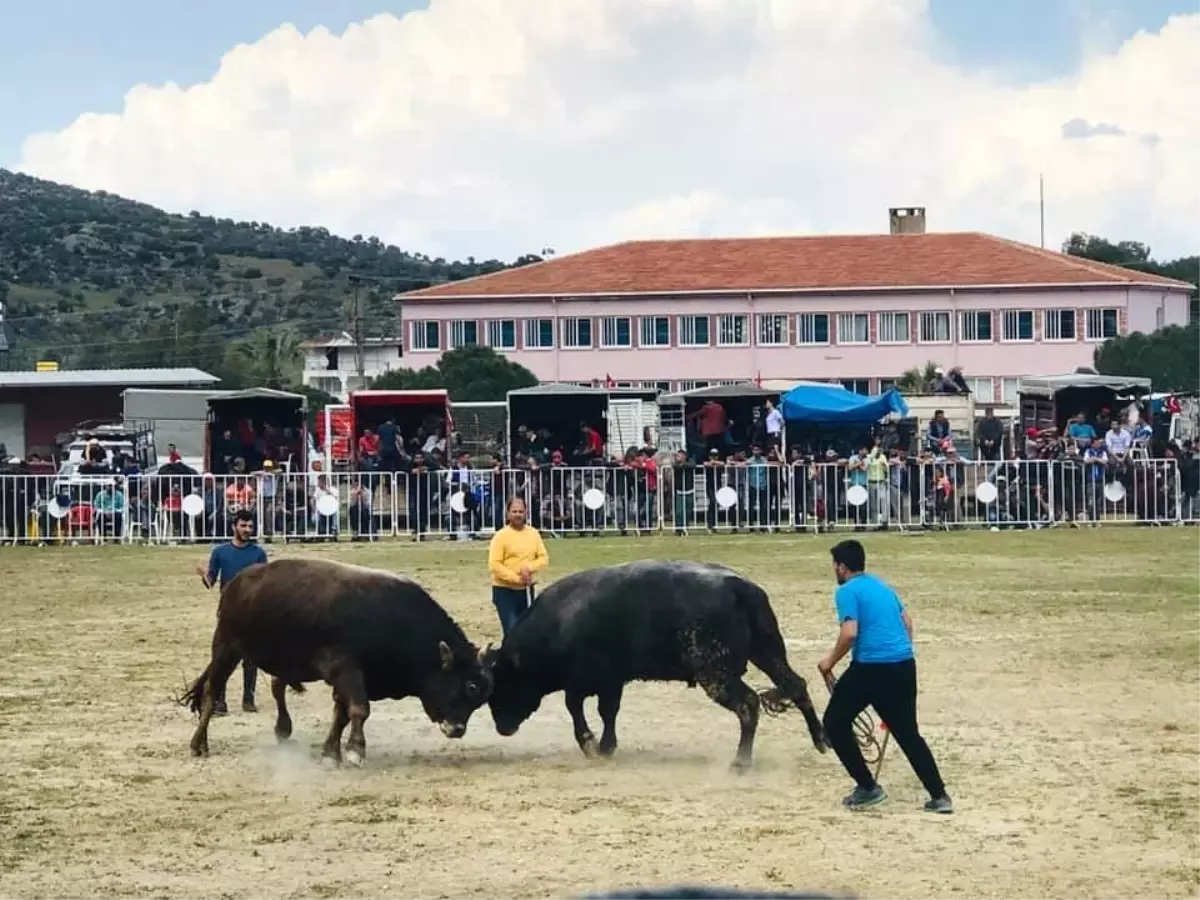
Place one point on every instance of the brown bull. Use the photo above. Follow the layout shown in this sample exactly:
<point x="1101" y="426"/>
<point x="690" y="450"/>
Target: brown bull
<point x="369" y="634"/>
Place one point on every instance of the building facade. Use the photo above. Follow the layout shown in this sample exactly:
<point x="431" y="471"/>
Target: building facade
<point x="856" y="310"/>
<point x="332" y="365"/>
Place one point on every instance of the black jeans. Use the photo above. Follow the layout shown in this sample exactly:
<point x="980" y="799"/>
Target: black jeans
<point x="892" y="689"/>
<point x="249" y="677"/>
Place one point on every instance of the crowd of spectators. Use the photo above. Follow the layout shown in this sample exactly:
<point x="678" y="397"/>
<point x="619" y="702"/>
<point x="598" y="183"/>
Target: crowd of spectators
<point x="1044" y="478"/>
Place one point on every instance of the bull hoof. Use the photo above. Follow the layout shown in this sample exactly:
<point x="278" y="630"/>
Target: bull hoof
<point x="199" y="751"/>
<point x="354" y="758"/>
<point x="587" y="743"/>
<point x="740" y="766"/>
<point x="329" y="761"/>
<point x="607" y="750"/>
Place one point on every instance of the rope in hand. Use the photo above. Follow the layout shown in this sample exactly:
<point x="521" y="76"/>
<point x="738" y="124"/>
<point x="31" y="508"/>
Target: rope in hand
<point x="774" y="704"/>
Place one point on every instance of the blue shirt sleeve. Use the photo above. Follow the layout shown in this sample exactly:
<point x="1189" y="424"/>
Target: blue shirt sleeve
<point x="261" y="556"/>
<point x="214" y="565"/>
<point x="846" y="601"/>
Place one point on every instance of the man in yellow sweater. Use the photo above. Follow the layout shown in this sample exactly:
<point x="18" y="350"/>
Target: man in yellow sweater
<point x="515" y="554"/>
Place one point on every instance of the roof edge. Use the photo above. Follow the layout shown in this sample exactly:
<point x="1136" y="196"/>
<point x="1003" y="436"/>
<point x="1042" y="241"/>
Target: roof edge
<point x="1169" y="284"/>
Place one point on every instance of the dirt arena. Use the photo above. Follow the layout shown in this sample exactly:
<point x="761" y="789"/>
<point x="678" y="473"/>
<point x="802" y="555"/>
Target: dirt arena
<point x="1059" y="694"/>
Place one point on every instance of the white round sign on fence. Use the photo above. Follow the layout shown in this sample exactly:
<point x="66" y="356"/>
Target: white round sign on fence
<point x="726" y="497"/>
<point x="1114" y="492"/>
<point x="458" y="502"/>
<point x="327" y="505"/>
<point x="986" y="492"/>
<point x="856" y="495"/>
<point x="56" y="511"/>
<point x="593" y="498"/>
<point x="193" y="505"/>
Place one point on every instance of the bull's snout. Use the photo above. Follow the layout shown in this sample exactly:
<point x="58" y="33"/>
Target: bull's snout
<point x="452" y="729"/>
<point x="507" y="730"/>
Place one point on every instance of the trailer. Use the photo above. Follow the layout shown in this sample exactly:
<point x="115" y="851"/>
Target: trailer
<point x="425" y="412"/>
<point x="244" y="415"/>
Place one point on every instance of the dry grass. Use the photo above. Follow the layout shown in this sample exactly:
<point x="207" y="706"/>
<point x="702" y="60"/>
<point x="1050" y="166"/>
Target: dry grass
<point x="1059" y="686"/>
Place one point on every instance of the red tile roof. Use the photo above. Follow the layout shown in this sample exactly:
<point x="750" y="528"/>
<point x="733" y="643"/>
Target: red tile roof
<point x="811" y="263"/>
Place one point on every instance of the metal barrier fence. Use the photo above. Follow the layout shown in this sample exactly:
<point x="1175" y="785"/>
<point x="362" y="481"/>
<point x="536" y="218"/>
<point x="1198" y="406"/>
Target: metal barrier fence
<point x="454" y="503"/>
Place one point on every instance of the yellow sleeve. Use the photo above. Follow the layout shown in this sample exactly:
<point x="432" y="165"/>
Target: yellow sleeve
<point x="496" y="561"/>
<point x="541" y="558"/>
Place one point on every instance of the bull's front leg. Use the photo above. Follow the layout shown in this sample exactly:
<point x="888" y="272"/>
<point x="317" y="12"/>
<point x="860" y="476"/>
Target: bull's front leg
<point x="583" y="733"/>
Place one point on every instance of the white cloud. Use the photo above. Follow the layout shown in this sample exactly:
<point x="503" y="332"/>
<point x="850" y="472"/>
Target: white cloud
<point x="489" y="128"/>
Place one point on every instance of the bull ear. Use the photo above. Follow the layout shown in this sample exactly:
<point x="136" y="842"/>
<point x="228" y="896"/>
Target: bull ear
<point x="487" y="656"/>
<point x="447" y="656"/>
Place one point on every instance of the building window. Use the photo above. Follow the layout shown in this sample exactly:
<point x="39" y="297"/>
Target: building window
<point x="812" y="328"/>
<point x="1018" y="325"/>
<point x="733" y="331"/>
<point x="772" y="330"/>
<point x="662" y="386"/>
<point x="1102" y="324"/>
<point x="577" y="333"/>
<point x="656" y="331"/>
<point x="464" y="333"/>
<point x="616" y="331"/>
<point x="693" y="331"/>
<point x="886" y="384"/>
<point x="426" y="335"/>
<point x="975" y="327"/>
<point x="935" y="328"/>
<point x="858" y="386"/>
<point x="854" y="328"/>
<point x="1059" y="325"/>
<point x="539" y="334"/>
<point x="1008" y="391"/>
<point x="502" y="334"/>
<point x="1160" y="317"/>
<point x="982" y="389"/>
<point x="893" y="328"/>
<point x="692" y="385"/>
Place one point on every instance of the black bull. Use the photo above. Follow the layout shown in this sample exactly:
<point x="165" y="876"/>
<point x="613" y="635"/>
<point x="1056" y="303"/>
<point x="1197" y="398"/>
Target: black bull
<point x="369" y="634"/>
<point x="593" y="632"/>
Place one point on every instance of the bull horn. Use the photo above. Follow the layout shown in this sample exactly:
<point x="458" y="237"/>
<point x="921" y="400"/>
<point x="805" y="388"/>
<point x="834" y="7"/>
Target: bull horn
<point x="486" y="651"/>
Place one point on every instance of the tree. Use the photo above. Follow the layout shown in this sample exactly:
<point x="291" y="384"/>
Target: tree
<point x="470" y="374"/>
<point x="1169" y="357"/>
<point x="915" y="381"/>
<point x="1136" y="255"/>
<point x="272" y="357"/>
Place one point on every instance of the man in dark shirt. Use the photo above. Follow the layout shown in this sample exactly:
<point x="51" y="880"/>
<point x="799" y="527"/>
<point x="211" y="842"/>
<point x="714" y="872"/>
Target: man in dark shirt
<point x="225" y="562"/>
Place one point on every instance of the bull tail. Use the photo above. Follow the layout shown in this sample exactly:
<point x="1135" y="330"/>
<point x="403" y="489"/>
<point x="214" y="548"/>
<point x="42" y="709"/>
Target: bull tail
<point x="769" y="653"/>
<point x="193" y="696"/>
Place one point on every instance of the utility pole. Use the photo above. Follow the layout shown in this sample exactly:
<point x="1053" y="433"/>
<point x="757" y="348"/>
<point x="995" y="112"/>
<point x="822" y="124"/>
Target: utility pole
<point x="359" y="363"/>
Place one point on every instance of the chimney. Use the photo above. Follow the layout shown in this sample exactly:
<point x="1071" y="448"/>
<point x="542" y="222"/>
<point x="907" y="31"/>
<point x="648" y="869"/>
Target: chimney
<point x="907" y="219"/>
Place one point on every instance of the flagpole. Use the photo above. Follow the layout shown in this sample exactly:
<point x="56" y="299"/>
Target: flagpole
<point x="1042" y="207"/>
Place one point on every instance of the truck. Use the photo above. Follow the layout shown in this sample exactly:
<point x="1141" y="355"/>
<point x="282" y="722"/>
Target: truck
<point x="176" y="417"/>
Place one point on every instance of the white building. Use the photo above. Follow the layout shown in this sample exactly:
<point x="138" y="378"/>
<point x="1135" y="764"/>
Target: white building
<point x="331" y="365"/>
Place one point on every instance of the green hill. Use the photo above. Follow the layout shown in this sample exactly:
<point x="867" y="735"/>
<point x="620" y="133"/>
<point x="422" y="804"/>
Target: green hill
<point x="91" y="279"/>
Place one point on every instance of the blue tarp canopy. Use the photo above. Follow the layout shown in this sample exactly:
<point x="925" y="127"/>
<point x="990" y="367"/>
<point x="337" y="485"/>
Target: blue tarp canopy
<point x="832" y="404"/>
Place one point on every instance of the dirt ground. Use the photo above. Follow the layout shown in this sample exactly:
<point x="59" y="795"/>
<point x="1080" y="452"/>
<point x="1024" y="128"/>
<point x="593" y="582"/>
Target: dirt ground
<point x="1059" y="694"/>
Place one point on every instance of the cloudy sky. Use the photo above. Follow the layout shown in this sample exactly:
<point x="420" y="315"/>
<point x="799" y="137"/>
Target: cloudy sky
<point x="497" y="127"/>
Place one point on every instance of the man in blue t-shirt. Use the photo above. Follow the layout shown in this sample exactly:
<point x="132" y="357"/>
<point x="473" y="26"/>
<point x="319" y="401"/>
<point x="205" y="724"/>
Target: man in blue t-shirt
<point x="882" y="673"/>
<point x="224" y="563"/>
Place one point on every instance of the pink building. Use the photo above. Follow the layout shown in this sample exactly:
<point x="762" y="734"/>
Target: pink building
<point x="861" y="310"/>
